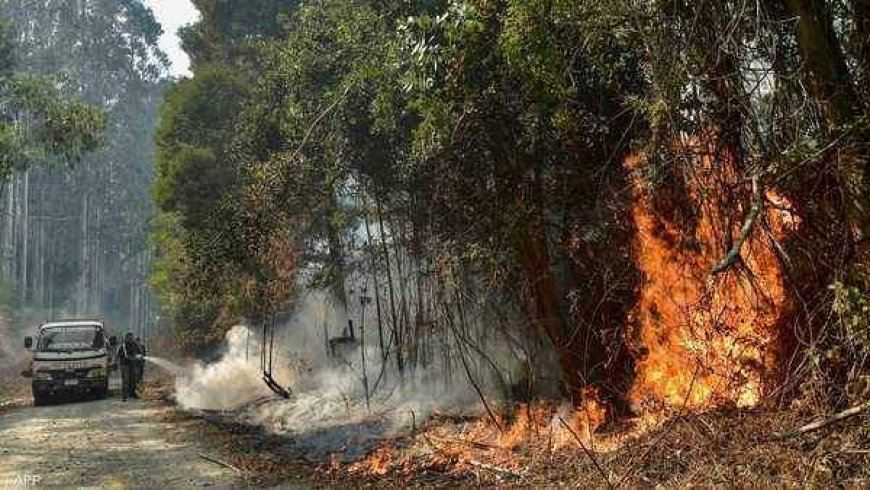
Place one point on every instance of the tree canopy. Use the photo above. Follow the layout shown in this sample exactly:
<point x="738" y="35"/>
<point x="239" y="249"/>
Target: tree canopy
<point x="506" y="157"/>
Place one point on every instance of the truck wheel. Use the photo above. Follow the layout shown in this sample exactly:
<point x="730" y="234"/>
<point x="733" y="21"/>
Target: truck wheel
<point x="102" y="390"/>
<point x="40" y="399"/>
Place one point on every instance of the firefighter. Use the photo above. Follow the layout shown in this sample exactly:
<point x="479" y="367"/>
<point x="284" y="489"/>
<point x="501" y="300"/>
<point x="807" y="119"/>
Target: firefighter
<point x="129" y="357"/>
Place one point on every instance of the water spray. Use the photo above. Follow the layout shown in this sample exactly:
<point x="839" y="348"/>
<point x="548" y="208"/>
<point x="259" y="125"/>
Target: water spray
<point x="170" y="366"/>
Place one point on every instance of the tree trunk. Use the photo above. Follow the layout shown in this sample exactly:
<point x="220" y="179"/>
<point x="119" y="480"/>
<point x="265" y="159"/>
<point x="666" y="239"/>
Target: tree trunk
<point x="544" y="298"/>
<point x="336" y="258"/>
<point x="374" y="265"/>
<point x="827" y="72"/>
<point x="832" y="87"/>
<point x="25" y="237"/>
<point x="397" y="333"/>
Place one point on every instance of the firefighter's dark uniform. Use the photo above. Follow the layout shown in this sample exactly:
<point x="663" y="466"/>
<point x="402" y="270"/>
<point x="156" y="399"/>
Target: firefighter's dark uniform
<point x="128" y="361"/>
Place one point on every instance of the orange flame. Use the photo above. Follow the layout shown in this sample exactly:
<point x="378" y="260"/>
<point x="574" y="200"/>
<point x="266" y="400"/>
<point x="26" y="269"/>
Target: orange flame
<point x="708" y="338"/>
<point x="538" y="428"/>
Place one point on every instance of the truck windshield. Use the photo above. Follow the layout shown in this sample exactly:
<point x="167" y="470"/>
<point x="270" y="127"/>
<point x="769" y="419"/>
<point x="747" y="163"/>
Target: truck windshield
<point x="68" y="339"/>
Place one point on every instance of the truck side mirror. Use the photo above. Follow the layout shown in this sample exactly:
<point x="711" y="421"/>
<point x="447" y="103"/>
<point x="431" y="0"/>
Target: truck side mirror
<point x="28" y="342"/>
<point x="113" y="341"/>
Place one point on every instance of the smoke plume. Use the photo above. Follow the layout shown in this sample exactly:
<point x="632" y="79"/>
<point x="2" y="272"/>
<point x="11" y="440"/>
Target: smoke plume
<point x="336" y="406"/>
<point x="229" y="383"/>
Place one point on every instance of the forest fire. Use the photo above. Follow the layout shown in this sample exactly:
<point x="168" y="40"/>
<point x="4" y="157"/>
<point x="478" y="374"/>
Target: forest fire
<point x="707" y="337"/>
<point x="457" y="244"/>
<point x="500" y="445"/>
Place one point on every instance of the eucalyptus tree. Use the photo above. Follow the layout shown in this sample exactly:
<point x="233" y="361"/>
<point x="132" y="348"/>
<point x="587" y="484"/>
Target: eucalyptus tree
<point x="202" y="261"/>
<point x="78" y="239"/>
<point x="466" y="161"/>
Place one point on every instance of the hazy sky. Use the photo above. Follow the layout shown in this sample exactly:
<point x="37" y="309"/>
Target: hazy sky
<point x="173" y="14"/>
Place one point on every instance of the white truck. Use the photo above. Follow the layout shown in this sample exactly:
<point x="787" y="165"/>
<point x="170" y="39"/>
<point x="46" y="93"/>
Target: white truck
<point x="70" y="357"/>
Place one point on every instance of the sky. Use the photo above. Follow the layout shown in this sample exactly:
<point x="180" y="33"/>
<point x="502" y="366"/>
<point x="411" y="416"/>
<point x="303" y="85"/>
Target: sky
<point x="173" y="14"/>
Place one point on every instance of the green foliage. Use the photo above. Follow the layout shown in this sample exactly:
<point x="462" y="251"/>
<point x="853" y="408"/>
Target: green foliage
<point x="38" y="122"/>
<point x="196" y="126"/>
<point x="204" y="263"/>
<point x="167" y="270"/>
<point x="486" y="141"/>
<point x="227" y="28"/>
<point x="852" y="307"/>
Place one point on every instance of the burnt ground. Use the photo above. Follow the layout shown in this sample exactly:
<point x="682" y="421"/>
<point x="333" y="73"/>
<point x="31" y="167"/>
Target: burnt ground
<point x="151" y="444"/>
<point x="735" y="448"/>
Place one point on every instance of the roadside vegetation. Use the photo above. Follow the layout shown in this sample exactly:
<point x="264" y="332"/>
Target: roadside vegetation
<point x="612" y="242"/>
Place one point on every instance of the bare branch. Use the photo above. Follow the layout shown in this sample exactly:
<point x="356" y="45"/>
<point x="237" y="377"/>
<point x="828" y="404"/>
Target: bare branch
<point x="754" y="212"/>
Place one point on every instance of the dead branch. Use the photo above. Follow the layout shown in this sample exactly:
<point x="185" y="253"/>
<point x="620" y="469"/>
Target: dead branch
<point x="471" y="380"/>
<point x="479" y="392"/>
<point x="316" y="122"/>
<point x="475" y="444"/>
<point x="218" y="462"/>
<point x="845" y="414"/>
<point x="589" y="453"/>
<point x="734" y="253"/>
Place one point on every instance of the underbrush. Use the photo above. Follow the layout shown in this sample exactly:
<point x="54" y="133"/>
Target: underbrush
<point x="721" y="448"/>
<point x="730" y="448"/>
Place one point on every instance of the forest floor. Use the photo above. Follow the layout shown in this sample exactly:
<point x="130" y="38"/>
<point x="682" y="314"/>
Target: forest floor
<point x="734" y="448"/>
<point x="152" y="443"/>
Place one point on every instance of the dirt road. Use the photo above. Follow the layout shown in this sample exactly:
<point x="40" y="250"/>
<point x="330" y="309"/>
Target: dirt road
<point x="104" y="443"/>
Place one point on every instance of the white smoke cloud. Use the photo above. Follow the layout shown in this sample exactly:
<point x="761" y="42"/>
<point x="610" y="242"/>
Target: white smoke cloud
<point x="230" y="383"/>
<point x="327" y="411"/>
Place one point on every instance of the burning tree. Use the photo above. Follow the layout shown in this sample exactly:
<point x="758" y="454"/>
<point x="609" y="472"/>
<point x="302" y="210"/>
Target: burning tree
<point x="628" y="205"/>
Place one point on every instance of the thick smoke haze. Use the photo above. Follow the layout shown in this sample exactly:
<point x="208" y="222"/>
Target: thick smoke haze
<point x="231" y="382"/>
<point x="328" y="410"/>
<point x="12" y="353"/>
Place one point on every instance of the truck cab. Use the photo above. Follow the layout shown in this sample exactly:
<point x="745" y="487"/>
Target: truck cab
<point x="69" y="357"/>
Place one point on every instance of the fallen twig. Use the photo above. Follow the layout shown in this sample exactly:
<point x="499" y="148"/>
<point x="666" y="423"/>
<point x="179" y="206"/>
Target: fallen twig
<point x="477" y="444"/>
<point x="589" y="453"/>
<point x="218" y="462"/>
<point x="474" y="462"/>
<point x="845" y="414"/>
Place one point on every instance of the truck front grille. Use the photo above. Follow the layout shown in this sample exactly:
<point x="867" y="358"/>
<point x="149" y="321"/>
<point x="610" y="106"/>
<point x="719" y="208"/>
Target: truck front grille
<point x="64" y="374"/>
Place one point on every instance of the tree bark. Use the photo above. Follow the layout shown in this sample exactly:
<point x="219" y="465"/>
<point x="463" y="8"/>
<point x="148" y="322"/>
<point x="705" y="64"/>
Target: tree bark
<point x="833" y="89"/>
<point x="827" y="73"/>
<point x="544" y="294"/>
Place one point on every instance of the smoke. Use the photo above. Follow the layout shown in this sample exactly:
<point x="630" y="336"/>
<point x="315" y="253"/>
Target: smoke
<point x="336" y="407"/>
<point x="229" y="383"/>
<point x="12" y="354"/>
